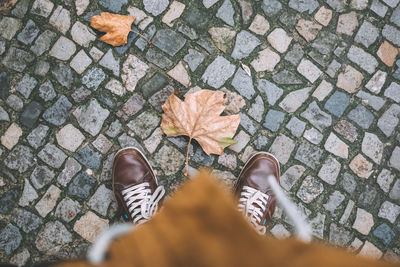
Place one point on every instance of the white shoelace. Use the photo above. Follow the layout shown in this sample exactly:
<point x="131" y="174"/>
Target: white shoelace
<point x="141" y="203"/>
<point x="252" y="204"/>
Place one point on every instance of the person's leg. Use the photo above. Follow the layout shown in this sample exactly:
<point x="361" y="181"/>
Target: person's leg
<point x="200" y="226"/>
<point x="135" y="186"/>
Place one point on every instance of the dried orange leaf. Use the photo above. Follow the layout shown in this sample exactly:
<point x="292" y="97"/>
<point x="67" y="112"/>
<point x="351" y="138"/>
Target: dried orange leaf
<point x="116" y="27"/>
<point x="199" y="118"/>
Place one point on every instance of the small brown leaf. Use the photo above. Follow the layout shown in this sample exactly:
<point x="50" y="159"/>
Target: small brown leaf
<point x="116" y="27"/>
<point x="199" y="118"/>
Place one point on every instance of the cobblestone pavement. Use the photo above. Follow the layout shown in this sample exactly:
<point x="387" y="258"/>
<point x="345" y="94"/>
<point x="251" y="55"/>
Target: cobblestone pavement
<point x="324" y="96"/>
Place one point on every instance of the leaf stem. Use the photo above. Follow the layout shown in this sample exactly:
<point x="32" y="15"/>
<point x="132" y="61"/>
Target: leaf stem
<point x="187" y="157"/>
<point x="141" y="35"/>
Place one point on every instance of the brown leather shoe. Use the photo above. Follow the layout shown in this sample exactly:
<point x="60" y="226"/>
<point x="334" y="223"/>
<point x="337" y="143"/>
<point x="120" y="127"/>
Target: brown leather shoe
<point x="255" y="197"/>
<point x="135" y="186"/>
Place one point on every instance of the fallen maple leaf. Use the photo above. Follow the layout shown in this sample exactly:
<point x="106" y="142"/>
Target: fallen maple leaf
<point x="117" y="28"/>
<point x="199" y="118"/>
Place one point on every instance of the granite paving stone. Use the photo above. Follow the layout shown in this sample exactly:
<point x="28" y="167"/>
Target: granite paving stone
<point x="313" y="136"/>
<point x="361" y="116"/>
<point x="317" y="117"/>
<point x="81" y="185"/>
<point x="367" y="34"/>
<point x="389" y="211"/>
<point x="67" y="209"/>
<point x="58" y="113"/>
<point x="245" y="43"/>
<point x="363" y="59"/>
<point x="52" y="155"/>
<point x="169" y="41"/>
<point x="28" y="33"/>
<point x="52" y="236"/>
<point x="10" y="238"/>
<point x="308" y="154"/>
<point x="337" y="103"/>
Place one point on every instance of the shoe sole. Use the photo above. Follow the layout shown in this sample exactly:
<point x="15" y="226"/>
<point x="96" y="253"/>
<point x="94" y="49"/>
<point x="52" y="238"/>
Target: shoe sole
<point x="252" y="156"/>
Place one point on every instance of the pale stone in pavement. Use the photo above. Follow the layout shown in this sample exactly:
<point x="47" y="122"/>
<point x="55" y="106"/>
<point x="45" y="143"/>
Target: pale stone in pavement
<point x="102" y="144"/>
<point x="234" y="102"/>
<point x="179" y="73"/>
<point x="69" y="137"/>
<point x="387" y="53"/>
<point x="21" y="258"/>
<point x="89" y="226"/>
<point x="336" y="146"/>
<point x="96" y="53"/>
<point x="313" y="135"/>
<point x="323" y="16"/>
<point x="389" y="211"/>
<point x="323" y="90"/>
<point x="209" y="3"/>
<point x="115" y="87"/>
<point x="48" y="201"/>
<point x="52" y="237"/>
<point x="330" y="170"/>
<point x="385" y="179"/>
<point x="247" y="153"/>
<point x="295" y="99"/>
<point x="308" y="29"/>
<point x="11" y="136"/>
<point x="133" y="70"/>
<point x="361" y="166"/>
<point x="91" y="116"/>
<point x="364" y="221"/>
<point x="279" y="40"/>
<point x="279" y="231"/>
<point x="242" y="139"/>
<point x="63" y="49"/>
<point x="350" y="80"/>
<point x="291" y="176"/>
<point x="310" y="189"/>
<point x="282" y="148"/>
<point x="82" y="34"/>
<point x="355" y="245"/>
<point x="80" y="62"/>
<point x="142" y="19"/>
<point x="347" y="23"/>
<point x="101" y="200"/>
<point x="42" y="8"/>
<point x="377" y="81"/>
<point x="28" y="194"/>
<point x="370" y="251"/>
<point x="309" y="70"/>
<point x="81" y="6"/>
<point x="154" y="140"/>
<point x="266" y="60"/>
<point x="9" y="27"/>
<point x="169" y="159"/>
<point x="227" y="160"/>
<point x="372" y="147"/>
<point x="359" y="4"/>
<point x="175" y="11"/>
<point x="61" y="19"/>
<point x="223" y="37"/>
<point x="259" y="25"/>
<point x="71" y="168"/>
